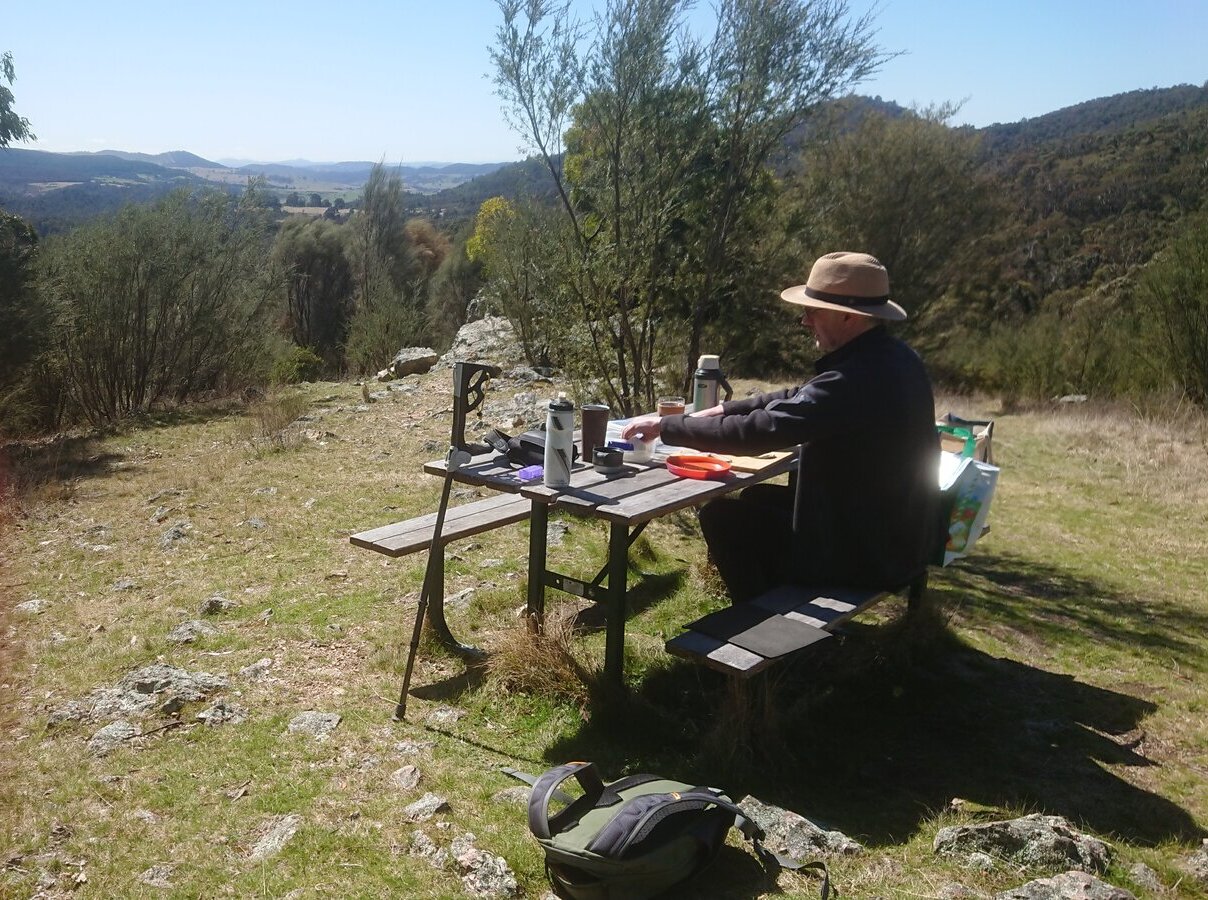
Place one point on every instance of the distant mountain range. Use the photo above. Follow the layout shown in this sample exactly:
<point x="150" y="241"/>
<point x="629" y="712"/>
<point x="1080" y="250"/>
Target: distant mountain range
<point x="56" y="191"/>
<point x="299" y="174"/>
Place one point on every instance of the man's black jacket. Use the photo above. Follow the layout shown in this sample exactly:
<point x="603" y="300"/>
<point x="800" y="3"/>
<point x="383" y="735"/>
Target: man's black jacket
<point x="865" y="510"/>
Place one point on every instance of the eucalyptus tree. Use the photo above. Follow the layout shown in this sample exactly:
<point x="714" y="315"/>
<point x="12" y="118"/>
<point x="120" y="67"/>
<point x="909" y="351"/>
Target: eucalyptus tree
<point x="160" y="304"/>
<point x="770" y="64"/>
<point x="379" y="242"/>
<point x="513" y="245"/>
<point x="12" y="126"/>
<point x="318" y="279"/>
<point x="24" y="322"/>
<point x="659" y="144"/>
<point x="1174" y="287"/>
<point x="905" y="188"/>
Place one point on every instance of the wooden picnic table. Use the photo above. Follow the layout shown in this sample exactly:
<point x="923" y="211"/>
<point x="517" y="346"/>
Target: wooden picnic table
<point x="627" y="500"/>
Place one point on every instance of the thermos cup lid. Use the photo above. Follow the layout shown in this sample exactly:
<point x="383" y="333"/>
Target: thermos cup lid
<point x="709" y="361"/>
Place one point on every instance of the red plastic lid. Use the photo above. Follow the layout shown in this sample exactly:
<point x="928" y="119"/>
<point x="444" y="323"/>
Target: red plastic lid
<point x="687" y="466"/>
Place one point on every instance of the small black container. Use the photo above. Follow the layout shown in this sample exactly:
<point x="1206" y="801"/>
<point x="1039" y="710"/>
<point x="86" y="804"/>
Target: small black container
<point x="607" y="459"/>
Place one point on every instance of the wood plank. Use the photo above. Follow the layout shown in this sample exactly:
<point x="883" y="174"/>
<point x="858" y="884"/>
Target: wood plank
<point x="821" y="608"/>
<point x="401" y="538"/>
<point x="807" y="619"/>
<point x="716" y="654"/>
<point x="825" y="603"/>
<point x="646" y="495"/>
<point x="756" y="463"/>
<point x="736" y="660"/>
<point x="693" y="644"/>
<point x="468" y="513"/>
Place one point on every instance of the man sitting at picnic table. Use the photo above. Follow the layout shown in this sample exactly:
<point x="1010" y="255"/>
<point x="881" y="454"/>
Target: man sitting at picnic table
<point x="864" y="511"/>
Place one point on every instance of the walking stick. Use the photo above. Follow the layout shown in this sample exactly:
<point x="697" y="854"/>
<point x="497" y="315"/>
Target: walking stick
<point x="468" y="381"/>
<point x="453" y="461"/>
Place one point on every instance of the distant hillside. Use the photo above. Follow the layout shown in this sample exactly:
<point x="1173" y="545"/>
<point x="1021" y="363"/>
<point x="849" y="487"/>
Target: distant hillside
<point x="528" y="178"/>
<point x="56" y="191"/>
<point x="1097" y="166"/>
<point x="1091" y="206"/>
<point x="34" y="171"/>
<point x="174" y="159"/>
<point x="1102" y="116"/>
<point x="350" y="177"/>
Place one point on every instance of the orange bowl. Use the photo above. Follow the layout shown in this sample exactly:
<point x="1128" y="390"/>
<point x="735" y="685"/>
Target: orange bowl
<point x="688" y="466"/>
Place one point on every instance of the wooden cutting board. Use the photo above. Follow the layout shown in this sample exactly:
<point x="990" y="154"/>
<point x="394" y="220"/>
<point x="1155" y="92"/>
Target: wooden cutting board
<point x="755" y="463"/>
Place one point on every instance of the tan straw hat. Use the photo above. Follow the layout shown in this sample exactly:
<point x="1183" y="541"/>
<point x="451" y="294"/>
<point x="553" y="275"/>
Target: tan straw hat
<point x="847" y="282"/>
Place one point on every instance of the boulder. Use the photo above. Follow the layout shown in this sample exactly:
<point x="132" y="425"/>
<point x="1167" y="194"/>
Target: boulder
<point x="1196" y="864"/>
<point x="425" y="807"/>
<point x="316" y="724"/>
<point x="137" y="693"/>
<point x="1034" y="841"/>
<point x="279" y="833"/>
<point x="423" y="847"/>
<point x="215" y="604"/>
<point x="1146" y="877"/>
<point x="794" y="835"/>
<point x="483" y="874"/>
<point x="158" y="876"/>
<point x="1072" y="885"/>
<point x="188" y="632"/>
<point x="222" y="713"/>
<point x="412" y="361"/>
<point x="111" y="737"/>
<point x="489" y="340"/>
<point x="407" y="778"/>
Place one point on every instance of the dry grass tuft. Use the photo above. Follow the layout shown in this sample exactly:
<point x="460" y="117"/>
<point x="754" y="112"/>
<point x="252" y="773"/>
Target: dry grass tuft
<point x="267" y="427"/>
<point x="547" y="663"/>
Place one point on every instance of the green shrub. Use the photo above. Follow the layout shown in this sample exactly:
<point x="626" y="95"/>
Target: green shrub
<point x="1175" y="287"/>
<point x="376" y="335"/>
<point x="297" y="365"/>
<point x="160" y="305"/>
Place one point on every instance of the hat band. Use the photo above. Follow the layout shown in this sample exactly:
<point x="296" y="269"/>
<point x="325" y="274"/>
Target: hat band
<point x="844" y="300"/>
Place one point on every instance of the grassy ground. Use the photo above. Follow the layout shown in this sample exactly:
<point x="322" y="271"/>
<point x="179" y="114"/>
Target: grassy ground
<point x="1061" y="672"/>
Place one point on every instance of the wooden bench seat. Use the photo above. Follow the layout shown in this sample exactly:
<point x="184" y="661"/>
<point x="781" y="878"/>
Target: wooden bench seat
<point x="748" y="638"/>
<point x="401" y="538"/>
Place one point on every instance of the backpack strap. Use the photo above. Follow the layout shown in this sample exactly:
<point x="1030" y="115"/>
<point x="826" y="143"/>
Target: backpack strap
<point x="753" y="833"/>
<point x="560" y="796"/>
<point x="612" y="792"/>
<point x="544" y="789"/>
<point x="614" y="843"/>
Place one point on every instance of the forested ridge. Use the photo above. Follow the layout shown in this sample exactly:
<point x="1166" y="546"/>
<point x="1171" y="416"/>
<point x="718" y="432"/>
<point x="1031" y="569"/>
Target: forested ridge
<point x="656" y="217"/>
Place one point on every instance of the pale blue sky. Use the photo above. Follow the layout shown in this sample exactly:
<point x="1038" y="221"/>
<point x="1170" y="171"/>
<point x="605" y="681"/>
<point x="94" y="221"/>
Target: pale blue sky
<point x="408" y="81"/>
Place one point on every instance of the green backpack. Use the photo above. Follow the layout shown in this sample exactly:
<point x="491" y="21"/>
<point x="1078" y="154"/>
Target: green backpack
<point x="635" y="837"/>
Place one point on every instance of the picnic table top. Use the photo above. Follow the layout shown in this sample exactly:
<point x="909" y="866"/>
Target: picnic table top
<point x="638" y="493"/>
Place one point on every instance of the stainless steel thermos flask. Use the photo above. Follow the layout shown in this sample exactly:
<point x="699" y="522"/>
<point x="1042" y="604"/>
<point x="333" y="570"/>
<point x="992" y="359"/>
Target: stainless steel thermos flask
<point x="706" y="381"/>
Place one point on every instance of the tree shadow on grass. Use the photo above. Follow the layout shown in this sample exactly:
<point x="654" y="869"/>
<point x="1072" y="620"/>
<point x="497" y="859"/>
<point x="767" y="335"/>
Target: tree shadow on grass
<point x="28" y="466"/>
<point x="1046" y="602"/>
<point x="876" y="733"/>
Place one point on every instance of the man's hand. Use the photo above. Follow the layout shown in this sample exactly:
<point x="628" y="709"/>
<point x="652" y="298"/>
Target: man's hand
<point x="648" y="427"/>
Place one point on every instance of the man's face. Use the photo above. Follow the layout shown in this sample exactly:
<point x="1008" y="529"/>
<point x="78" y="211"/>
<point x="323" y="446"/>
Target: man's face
<point x="828" y="326"/>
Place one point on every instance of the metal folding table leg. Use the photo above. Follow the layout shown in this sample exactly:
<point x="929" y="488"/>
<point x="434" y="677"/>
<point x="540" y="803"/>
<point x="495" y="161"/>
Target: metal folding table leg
<point x="436" y="611"/>
<point x="618" y="574"/>
<point x="538" y="529"/>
